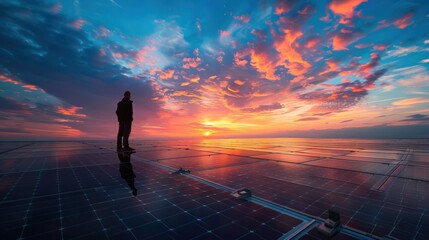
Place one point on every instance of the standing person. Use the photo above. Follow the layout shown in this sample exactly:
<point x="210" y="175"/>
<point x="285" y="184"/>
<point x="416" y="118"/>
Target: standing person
<point x="124" y="111"/>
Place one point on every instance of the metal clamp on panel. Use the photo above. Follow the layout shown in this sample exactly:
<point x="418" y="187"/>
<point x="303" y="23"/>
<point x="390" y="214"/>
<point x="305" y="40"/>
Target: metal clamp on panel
<point x="331" y="225"/>
<point x="182" y="171"/>
<point x="242" y="193"/>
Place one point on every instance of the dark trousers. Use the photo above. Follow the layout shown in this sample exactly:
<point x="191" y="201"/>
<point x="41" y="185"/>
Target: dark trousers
<point x="123" y="134"/>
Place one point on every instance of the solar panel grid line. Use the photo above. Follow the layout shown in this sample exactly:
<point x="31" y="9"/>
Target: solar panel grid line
<point x="264" y="203"/>
<point x="13" y="149"/>
<point x="385" y="182"/>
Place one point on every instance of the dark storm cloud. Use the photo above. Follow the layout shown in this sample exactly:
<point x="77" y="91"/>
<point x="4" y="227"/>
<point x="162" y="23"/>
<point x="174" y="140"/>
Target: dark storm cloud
<point x="44" y="49"/>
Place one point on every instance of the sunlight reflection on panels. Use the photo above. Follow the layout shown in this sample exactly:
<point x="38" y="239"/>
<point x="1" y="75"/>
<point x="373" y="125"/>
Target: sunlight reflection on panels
<point x="365" y="159"/>
<point x="376" y="155"/>
<point x="175" y="153"/>
<point x="208" y="162"/>
<point x="239" y="152"/>
<point x="352" y="165"/>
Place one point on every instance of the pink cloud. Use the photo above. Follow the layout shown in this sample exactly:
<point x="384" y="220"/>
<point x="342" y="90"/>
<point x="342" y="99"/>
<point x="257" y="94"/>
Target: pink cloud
<point x="404" y="21"/>
<point x="8" y="79"/>
<point x="56" y="8"/>
<point x="380" y="47"/>
<point x="103" y="32"/>
<point x="167" y="74"/>
<point x="259" y="33"/>
<point x="224" y="33"/>
<point x="341" y="40"/>
<point x="71" y="111"/>
<point x="332" y="67"/>
<point x="312" y="42"/>
<point x="289" y="57"/>
<point x="244" y="18"/>
<point x="261" y="60"/>
<point x="78" y="24"/>
<point x="368" y="67"/>
<point x="219" y="59"/>
<point x="196" y="52"/>
<point x="239" y="59"/>
<point x="192" y="78"/>
<point x="308" y="9"/>
<point x="410" y="101"/>
<point x="30" y="87"/>
<point x="191" y="62"/>
<point x="344" y="8"/>
<point x="283" y="7"/>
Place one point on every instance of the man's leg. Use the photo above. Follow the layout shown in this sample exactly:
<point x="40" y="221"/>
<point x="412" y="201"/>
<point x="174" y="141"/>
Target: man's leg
<point x="127" y="132"/>
<point x="120" y="135"/>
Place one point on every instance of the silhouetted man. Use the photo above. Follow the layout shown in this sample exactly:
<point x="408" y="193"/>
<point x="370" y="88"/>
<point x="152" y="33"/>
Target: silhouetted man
<point x="124" y="111"/>
<point x="126" y="170"/>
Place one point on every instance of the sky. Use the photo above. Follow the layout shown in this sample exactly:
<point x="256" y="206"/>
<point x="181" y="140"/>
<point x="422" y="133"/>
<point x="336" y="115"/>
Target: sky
<point x="206" y="69"/>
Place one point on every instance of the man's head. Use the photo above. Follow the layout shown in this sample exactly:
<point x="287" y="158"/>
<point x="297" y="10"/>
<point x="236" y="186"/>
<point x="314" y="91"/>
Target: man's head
<point x="127" y="94"/>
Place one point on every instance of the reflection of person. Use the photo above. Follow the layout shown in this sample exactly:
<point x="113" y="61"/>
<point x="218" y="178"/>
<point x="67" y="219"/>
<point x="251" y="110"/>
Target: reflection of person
<point x="124" y="111"/>
<point x="126" y="170"/>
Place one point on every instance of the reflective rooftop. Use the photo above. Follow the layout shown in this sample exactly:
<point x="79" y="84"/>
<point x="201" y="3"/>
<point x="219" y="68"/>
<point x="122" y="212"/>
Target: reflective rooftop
<point x="85" y="190"/>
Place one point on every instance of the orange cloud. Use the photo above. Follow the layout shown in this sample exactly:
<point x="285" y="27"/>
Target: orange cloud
<point x="332" y="67"/>
<point x="263" y="63"/>
<point x="283" y="7"/>
<point x="404" y="21"/>
<point x="71" y="111"/>
<point x="289" y="57"/>
<point x="191" y="62"/>
<point x="238" y="59"/>
<point x="8" y="79"/>
<point x="311" y="43"/>
<point x="192" y="78"/>
<point x="344" y="8"/>
<point x="341" y="40"/>
<point x="167" y="74"/>
<point x="410" y="101"/>
<point x="368" y="67"/>
<point x="30" y="87"/>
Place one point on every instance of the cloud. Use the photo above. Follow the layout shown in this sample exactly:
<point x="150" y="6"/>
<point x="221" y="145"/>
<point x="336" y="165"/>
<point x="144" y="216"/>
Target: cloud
<point x="66" y="70"/>
<point x="417" y="118"/>
<point x="340" y="97"/>
<point x="191" y="62"/>
<point x="283" y="6"/>
<point x="263" y="61"/>
<point x="71" y="111"/>
<point x="410" y="101"/>
<point x="344" y="8"/>
<point x="404" y="21"/>
<point x="345" y="37"/>
<point x="263" y="108"/>
<point x="243" y="18"/>
<point x="399" y="51"/>
<point x="307" y="119"/>
<point x="167" y="74"/>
